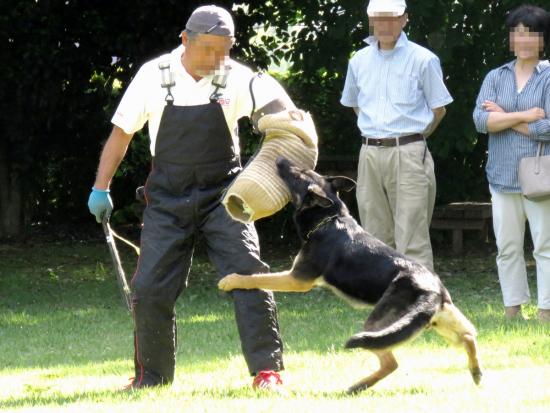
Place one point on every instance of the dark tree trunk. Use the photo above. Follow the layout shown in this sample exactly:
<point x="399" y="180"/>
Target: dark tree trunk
<point x="11" y="201"/>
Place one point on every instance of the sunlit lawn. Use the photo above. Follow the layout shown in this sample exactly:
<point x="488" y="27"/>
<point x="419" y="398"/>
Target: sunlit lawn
<point x="66" y="345"/>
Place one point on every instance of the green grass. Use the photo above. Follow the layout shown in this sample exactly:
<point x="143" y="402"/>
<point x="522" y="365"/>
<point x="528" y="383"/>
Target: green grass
<point x="66" y="345"/>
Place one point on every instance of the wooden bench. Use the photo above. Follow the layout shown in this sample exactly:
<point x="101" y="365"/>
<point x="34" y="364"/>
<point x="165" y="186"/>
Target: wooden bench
<point x="461" y="216"/>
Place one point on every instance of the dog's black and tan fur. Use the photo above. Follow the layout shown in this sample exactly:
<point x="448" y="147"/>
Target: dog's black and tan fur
<point x="337" y="252"/>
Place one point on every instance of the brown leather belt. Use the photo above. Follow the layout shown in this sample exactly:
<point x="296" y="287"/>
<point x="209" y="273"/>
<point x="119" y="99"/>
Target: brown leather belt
<point x="403" y="140"/>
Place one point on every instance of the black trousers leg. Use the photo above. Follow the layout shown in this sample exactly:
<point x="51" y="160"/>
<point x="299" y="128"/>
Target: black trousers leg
<point x="234" y="247"/>
<point x="163" y="268"/>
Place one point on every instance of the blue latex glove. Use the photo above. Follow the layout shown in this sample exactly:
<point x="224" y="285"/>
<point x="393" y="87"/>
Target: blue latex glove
<point x="100" y="203"/>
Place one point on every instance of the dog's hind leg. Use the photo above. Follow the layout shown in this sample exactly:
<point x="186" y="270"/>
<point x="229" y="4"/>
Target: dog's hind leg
<point x="388" y="365"/>
<point x="470" y="344"/>
<point x="450" y="323"/>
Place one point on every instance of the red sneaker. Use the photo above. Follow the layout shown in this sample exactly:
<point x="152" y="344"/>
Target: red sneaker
<point x="267" y="380"/>
<point x="136" y="384"/>
<point x="132" y="385"/>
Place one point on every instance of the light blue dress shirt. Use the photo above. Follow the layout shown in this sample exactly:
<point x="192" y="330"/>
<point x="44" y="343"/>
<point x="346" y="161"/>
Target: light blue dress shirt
<point x="394" y="90"/>
<point x="507" y="147"/>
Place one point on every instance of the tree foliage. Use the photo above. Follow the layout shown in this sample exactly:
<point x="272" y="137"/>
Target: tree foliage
<point x="468" y="36"/>
<point x="62" y="61"/>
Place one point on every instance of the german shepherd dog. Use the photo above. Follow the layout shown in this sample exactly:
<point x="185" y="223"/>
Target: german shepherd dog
<point x="337" y="252"/>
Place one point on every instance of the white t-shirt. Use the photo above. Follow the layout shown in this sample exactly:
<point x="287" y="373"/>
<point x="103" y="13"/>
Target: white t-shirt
<point x="144" y="99"/>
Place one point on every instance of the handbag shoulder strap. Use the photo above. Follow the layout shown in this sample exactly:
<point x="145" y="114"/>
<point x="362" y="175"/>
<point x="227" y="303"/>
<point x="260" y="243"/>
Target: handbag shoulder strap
<point x="540" y="149"/>
<point x="539" y="155"/>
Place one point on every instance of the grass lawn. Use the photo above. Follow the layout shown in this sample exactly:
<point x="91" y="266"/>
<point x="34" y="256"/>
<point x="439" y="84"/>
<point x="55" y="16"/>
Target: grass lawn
<point x="66" y="345"/>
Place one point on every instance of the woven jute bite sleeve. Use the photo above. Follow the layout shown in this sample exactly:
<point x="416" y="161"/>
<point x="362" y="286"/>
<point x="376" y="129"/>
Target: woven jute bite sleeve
<point x="258" y="191"/>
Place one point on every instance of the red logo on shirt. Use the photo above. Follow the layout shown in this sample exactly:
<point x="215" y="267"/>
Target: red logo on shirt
<point x="224" y="101"/>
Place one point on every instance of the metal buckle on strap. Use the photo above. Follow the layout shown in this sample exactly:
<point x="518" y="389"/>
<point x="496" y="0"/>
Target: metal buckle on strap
<point x="383" y="142"/>
<point x="378" y="142"/>
<point x="167" y="80"/>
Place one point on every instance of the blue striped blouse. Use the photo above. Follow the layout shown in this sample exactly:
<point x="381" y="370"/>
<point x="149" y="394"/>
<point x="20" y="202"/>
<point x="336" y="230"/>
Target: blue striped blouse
<point x="507" y="147"/>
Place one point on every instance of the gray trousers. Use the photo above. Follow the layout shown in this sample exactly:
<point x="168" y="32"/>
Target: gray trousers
<point x="396" y="195"/>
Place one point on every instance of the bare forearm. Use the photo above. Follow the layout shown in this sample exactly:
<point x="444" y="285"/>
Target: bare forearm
<point x="439" y="114"/>
<point x="111" y="156"/>
<point x="522" y="128"/>
<point x="499" y="121"/>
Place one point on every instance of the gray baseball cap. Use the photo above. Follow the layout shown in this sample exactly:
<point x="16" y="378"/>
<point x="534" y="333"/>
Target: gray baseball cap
<point x="211" y="20"/>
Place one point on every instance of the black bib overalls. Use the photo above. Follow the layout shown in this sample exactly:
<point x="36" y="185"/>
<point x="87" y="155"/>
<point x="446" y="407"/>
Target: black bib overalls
<point x="194" y="162"/>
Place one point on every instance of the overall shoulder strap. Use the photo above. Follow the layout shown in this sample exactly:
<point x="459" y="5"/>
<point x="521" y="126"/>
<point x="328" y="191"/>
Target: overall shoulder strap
<point x="219" y="81"/>
<point x="167" y="80"/>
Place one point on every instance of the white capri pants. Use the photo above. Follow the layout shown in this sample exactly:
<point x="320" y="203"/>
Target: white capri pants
<point x="510" y="211"/>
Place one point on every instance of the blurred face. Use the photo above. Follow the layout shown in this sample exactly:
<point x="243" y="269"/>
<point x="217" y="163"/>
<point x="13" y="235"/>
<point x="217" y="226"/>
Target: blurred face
<point x="205" y="52"/>
<point x="386" y="27"/>
<point x="526" y="44"/>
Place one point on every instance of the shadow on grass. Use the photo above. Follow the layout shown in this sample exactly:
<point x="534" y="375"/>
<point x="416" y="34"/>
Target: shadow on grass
<point x="63" y="307"/>
<point x="49" y="335"/>
<point x="35" y="399"/>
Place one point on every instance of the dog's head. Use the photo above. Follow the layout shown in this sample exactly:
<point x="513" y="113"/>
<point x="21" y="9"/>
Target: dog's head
<point x="309" y="189"/>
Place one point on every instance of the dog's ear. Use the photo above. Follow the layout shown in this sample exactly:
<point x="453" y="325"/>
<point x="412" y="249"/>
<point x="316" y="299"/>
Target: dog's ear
<point x="341" y="183"/>
<point x="316" y="196"/>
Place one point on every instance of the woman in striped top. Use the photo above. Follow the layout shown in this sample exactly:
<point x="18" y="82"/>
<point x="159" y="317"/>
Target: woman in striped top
<point x="513" y="107"/>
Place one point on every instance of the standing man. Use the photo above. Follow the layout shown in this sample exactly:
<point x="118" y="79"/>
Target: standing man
<point x="396" y="89"/>
<point x="192" y="99"/>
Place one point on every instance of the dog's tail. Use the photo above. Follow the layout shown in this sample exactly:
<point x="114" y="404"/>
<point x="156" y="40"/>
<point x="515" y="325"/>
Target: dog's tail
<point x="400" y="315"/>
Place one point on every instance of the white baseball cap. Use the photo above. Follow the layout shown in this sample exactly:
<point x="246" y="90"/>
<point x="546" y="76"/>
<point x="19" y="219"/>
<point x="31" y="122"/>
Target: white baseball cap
<point x="392" y="7"/>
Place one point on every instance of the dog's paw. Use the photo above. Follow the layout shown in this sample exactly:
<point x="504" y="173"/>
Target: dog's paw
<point x="229" y="282"/>
<point x="357" y="388"/>
<point x="476" y="375"/>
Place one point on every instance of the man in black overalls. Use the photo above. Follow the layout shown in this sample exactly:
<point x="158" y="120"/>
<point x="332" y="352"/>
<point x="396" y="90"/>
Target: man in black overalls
<point x="194" y="161"/>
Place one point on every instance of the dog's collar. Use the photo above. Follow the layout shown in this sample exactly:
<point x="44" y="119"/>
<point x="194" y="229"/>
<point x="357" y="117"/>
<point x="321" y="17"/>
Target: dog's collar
<point x="320" y="224"/>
